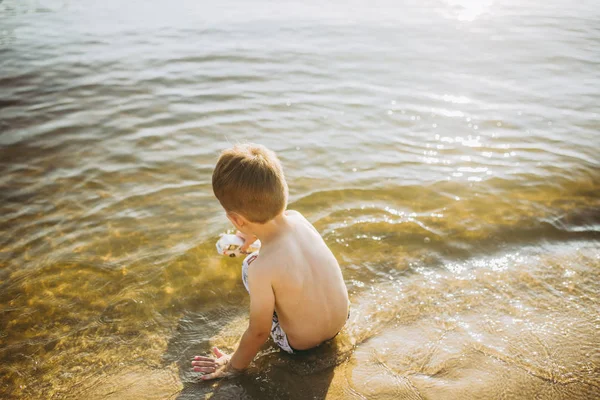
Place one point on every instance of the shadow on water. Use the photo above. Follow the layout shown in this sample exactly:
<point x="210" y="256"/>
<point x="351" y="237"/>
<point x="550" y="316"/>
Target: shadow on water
<point x="273" y="374"/>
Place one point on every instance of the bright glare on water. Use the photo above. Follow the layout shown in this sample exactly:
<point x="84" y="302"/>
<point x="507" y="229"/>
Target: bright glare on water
<point x="447" y="151"/>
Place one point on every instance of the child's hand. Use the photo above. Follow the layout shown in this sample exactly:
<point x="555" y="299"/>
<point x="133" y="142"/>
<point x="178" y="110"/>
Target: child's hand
<point x="214" y="367"/>
<point x="248" y="240"/>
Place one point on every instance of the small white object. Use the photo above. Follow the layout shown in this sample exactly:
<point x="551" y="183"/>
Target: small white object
<point x="229" y="245"/>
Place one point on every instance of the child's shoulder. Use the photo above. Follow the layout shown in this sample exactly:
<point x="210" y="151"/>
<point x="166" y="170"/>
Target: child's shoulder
<point x="293" y="213"/>
<point x="261" y="265"/>
<point x="302" y="219"/>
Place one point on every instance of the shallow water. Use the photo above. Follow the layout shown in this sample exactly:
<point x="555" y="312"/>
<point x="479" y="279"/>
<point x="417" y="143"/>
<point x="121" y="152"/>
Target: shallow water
<point x="446" y="150"/>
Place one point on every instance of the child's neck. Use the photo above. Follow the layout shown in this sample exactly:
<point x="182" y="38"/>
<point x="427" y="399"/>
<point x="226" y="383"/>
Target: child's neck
<point x="268" y="232"/>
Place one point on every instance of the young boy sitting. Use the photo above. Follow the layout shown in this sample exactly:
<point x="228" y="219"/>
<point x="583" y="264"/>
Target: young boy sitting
<point x="297" y="292"/>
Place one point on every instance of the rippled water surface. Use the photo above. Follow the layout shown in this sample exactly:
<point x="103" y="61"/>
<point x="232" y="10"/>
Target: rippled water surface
<point x="447" y="151"/>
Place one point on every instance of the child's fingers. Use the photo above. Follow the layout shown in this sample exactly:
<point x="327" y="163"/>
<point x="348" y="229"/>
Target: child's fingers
<point x="203" y="364"/>
<point x="204" y="369"/>
<point x="202" y="358"/>
<point x="248" y="242"/>
<point x="209" y="376"/>
<point x="217" y="352"/>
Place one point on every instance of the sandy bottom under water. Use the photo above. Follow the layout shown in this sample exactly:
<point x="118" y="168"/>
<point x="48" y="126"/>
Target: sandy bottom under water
<point x="475" y="333"/>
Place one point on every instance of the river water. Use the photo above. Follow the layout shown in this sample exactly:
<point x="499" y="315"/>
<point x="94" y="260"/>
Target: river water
<point x="447" y="151"/>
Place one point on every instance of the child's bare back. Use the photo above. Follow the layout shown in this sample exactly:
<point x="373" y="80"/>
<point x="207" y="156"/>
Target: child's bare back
<point x="311" y="298"/>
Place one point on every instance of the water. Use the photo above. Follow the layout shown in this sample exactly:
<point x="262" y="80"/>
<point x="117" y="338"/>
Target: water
<point x="446" y="150"/>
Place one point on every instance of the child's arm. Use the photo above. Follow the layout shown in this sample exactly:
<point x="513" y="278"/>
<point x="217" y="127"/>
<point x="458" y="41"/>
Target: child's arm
<point x="248" y="239"/>
<point x="262" y="304"/>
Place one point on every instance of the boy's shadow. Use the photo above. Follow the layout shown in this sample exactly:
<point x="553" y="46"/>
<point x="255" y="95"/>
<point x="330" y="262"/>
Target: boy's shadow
<point x="274" y="375"/>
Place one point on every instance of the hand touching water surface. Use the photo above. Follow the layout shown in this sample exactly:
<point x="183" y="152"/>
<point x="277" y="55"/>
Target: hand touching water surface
<point x="220" y="367"/>
<point x="214" y="367"/>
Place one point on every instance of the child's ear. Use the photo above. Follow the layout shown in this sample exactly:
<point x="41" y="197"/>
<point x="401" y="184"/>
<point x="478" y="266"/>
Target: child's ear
<point x="237" y="220"/>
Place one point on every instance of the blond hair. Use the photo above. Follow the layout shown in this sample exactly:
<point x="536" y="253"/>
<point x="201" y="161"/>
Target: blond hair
<point x="248" y="180"/>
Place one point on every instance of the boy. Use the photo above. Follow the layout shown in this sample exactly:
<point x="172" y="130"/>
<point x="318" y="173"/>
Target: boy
<point x="297" y="292"/>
